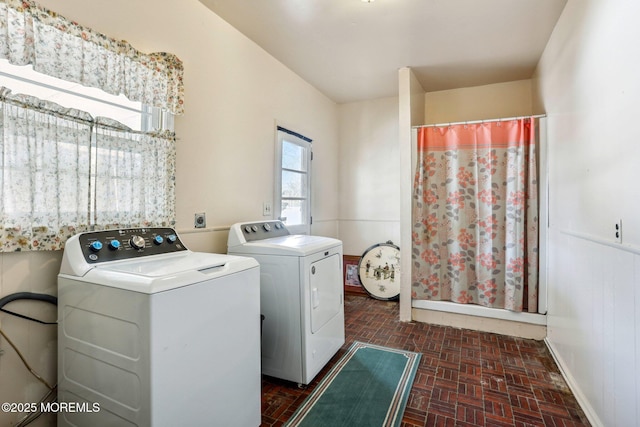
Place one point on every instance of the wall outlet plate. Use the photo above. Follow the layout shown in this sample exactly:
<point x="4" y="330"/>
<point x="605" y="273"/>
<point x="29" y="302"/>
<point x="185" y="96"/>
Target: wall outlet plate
<point x="200" y="220"/>
<point x="266" y="209"/>
<point x="617" y="231"/>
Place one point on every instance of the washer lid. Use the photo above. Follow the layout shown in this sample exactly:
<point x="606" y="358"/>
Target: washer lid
<point x="161" y="273"/>
<point x="160" y="266"/>
<point x="292" y="245"/>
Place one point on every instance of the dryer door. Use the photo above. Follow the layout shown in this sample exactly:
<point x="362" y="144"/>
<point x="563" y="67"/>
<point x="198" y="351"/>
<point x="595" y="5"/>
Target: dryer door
<point x="325" y="279"/>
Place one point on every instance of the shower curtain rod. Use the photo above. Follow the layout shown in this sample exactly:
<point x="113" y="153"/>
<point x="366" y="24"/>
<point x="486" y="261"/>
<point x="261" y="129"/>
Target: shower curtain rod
<point x="479" y="121"/>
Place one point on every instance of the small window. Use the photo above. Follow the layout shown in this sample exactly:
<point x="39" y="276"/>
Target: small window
<point x="293" y="183"/>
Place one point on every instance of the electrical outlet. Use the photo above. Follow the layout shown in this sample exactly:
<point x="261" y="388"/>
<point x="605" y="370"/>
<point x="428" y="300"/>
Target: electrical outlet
<point x="618" y="231"/>
<point x="200" y="220"/>
<point x="266" y="209"/>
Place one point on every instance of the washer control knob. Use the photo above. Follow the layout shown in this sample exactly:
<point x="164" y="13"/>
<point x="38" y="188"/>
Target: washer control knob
<point x="247" y="229"/>
<point x="171" y="238"/>
<point x="137" y="242"/>
<point x="266" y="227"/>
<point x="254" y="228"/>
<point x="95" y="245"/>
<point x="114" y="245"/>
<point x="158" y="239"/>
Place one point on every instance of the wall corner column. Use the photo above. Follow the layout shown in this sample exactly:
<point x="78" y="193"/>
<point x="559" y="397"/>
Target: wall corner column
<point x="411" y="107"/>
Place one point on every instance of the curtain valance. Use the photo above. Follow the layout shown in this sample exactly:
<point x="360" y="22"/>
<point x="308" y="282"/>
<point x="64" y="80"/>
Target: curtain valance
<point x="53" y="45"/>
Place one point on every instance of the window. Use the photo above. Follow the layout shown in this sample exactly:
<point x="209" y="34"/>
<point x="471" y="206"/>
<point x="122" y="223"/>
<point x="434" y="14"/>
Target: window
<point x="293" y="185"/>
<point x="75" y="158"/>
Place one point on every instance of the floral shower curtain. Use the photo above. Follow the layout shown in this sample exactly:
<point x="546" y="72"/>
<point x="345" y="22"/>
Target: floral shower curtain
<point x="475" y="215"/>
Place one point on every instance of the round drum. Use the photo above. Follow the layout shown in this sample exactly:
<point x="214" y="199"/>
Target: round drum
<point x="379" y="271"/>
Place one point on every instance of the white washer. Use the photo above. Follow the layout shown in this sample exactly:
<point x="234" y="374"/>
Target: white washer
<point x="152" y="334"/>
<point x="301" y="297"/>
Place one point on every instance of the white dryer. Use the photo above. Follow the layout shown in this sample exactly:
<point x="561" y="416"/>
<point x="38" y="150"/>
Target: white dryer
<point x="301" y="297"/>
<point x="152" y="334"/>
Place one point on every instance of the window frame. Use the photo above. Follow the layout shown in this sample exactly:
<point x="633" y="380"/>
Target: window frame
<point x="285" y="135"/>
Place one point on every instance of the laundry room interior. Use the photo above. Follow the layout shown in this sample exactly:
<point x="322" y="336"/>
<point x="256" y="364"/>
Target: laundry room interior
<point x="238" y="94"/>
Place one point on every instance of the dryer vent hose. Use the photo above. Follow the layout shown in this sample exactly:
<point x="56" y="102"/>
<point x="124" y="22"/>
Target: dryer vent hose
<point x="27" y="296"/>
<point x="31" y="297"/>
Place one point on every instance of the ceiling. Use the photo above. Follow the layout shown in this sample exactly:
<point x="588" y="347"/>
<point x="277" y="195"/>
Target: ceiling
<point x="351" y="50"/>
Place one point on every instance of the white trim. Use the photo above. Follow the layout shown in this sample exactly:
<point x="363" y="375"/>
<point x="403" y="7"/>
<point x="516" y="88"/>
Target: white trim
<point x="203" y="230"/>
<point x="369" y="220"/>
<point x="543" y="218"/>
<point x="586" y="407"/>
<point x="480" y="311"/>
<point x="634" y="249"/>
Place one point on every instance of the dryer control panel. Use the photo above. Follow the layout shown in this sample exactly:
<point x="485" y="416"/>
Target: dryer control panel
<point x="120" y="244"/>
<point x="263" y="230"/>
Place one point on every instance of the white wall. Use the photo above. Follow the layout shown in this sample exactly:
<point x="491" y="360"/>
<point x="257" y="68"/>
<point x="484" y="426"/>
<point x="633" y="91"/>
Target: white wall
<point x="235" y="93"/>
<point x="587" y="82"/>
<point x="411" y="105"/>
<point x="369" y="174"/>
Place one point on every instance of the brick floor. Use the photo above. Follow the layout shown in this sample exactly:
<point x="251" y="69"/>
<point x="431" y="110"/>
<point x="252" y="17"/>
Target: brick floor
<point x="465" y="378"/>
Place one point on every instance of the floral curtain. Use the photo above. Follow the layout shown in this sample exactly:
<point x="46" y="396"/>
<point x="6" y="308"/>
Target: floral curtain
<point x="132" y="185"/>
<point x="30" y="34"/>
<point x="64" y="172"/>
<point x="44" y="195"/>
<point x="475" y="214"/>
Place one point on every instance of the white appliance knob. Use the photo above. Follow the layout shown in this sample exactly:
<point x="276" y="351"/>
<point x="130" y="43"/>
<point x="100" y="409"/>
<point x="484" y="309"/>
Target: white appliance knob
<point x="137" y="242"/>
<point x="266" y="227"/>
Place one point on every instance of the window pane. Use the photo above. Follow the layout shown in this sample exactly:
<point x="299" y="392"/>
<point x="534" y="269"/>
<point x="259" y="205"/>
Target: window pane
<point x="294" y="184"/>
<point x="293" y="156"/>
<point x="294" y="211"/>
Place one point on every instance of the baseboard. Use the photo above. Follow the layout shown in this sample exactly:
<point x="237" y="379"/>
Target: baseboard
<point x="478" y="323"/>
<point x="575" y="389"/>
